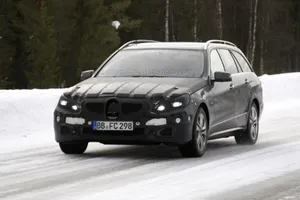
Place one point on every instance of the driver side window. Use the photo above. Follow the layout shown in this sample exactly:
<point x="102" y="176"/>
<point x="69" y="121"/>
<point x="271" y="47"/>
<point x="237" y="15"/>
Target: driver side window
<point x="216" y="63"/>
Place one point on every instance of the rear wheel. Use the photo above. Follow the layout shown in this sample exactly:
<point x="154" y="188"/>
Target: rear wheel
<point x="73" y="148"/>
<point x="198" y="145"/>
<point x="250" y="135"/>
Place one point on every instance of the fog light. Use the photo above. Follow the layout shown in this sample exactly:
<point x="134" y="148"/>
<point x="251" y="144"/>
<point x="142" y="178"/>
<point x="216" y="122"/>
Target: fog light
<point x="137" y="123"/>
<point x="178" y="120"/>
<point x="57" y="118"/>
<point x="74" y="107"/>
<point x="74" y="121"/>
<point x="89" y="123"/>
<point x="157" y="122"/>
<point x="161" y="108"/>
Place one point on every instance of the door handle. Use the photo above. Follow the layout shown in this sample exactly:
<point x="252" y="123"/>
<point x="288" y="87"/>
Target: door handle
<point x="231" y="87"/>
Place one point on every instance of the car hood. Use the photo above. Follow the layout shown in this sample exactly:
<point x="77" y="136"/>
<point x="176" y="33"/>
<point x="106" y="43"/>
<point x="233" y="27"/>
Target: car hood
<point x="135" y="87"/>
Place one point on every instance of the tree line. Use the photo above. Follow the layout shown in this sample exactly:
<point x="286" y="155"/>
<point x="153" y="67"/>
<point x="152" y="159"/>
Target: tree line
<point x="47" y="43"/>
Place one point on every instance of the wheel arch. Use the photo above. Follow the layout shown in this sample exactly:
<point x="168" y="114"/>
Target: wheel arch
<point x="254" y="100"/>
<point x="256" y="96"/>
<point x="205" y="108"/>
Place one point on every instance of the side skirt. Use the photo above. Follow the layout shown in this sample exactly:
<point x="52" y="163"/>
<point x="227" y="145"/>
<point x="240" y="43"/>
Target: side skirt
<point x="225" y="133"/>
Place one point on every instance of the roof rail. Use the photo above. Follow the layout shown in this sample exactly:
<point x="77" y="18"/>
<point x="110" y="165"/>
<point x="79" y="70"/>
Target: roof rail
<point x="136" y="42"/>
<point x="218" y="42"/>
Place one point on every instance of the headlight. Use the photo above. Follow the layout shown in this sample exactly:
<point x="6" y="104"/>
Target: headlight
<point x="68" y="104"/>
<point x="163" y="105"/>
<point x="176" y="104"/>
<point x="63" y="102"/>
<point x="182" y="100"/>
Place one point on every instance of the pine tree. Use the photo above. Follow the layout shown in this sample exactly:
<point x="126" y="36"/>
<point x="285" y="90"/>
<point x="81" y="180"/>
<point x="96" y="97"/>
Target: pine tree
<point x="6" y="46"/>
<point x="100" y="38"/>
<point x="44" y="69"/>
<point x="13" y="59"/>
<point x="87" y="35"/>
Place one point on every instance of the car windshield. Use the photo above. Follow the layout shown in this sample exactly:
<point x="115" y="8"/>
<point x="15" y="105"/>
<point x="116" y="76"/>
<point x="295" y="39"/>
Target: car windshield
<point x="155" y="63"/>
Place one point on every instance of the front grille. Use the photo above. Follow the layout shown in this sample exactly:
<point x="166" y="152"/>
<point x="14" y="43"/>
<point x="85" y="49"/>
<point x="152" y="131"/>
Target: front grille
<point x="128" y="108"/>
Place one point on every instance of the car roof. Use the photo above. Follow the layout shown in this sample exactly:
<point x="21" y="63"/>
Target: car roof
<point x="176" y="45"/>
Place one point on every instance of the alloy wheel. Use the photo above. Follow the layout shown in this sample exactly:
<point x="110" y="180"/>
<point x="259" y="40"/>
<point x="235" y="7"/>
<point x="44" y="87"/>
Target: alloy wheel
<point x="201" y="131"/>
<point x="197" y="146"/>
<point x="253" y="122"/>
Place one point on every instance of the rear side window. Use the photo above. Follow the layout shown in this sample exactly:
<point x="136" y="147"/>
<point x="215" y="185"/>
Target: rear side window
<point x="229" y="63"/>
<point x="243" y="63"/>
<point x="216" y="62"/>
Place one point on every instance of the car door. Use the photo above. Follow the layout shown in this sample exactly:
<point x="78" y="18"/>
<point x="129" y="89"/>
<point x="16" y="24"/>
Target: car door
<point x="237" y="83"/>
<point x="223" y="98"/>
<point x="244" y="84"/>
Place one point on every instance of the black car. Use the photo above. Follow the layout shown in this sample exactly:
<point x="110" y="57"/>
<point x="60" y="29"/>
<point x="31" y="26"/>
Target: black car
<point x="174" y="93"/>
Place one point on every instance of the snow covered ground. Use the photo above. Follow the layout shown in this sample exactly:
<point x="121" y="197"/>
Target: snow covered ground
<point x="26" y="118"/>
<point x="32" y="166"/>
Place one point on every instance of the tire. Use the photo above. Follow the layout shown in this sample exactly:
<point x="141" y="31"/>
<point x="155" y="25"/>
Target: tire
<point x="73" y="148"/>
<point x="250" y="134"/>
<point x="198" y="145"/>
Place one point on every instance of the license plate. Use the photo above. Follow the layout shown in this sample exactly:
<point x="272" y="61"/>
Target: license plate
<point x="112" y="126"/>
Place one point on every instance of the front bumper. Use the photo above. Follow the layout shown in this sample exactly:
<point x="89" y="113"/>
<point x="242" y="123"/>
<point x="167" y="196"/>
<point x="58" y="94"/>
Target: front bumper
<point x="170" y="133"/>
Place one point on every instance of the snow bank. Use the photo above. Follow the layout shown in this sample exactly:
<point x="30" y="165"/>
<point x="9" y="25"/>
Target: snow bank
<point x="281" y="88"/>
<point x="26" y="115"/>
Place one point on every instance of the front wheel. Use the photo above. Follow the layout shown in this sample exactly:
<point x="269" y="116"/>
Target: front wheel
<point x="198" y="145"/>
<point x="73" y="148"/>
<point x="250" y="135"/>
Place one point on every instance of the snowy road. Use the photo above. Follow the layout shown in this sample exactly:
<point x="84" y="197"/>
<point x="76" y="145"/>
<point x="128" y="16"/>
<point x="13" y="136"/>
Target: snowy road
<point x="32" y="166"/>
<point x="130" y="172"/>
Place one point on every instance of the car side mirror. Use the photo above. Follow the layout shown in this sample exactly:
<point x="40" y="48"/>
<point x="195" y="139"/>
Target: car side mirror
<point x="86" y="74"/>
<point x="222" y="77"/>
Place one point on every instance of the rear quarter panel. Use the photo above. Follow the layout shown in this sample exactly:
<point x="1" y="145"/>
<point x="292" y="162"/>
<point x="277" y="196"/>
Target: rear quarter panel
<point x="256" y="90"/>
